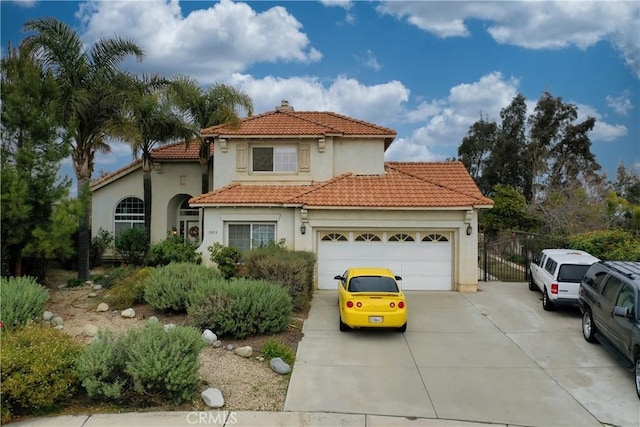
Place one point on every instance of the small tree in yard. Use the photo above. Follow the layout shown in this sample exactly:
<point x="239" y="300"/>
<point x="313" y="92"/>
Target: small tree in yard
<point x="133" y="245"/>
<point x="226" y="258"/>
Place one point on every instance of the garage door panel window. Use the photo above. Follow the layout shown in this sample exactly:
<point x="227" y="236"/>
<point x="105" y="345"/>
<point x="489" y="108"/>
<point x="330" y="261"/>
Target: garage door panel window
<point x="249" y="236"/>
<point x="368" y="237"/>
<point x="435" y="238"/>
<point x="401" y="237"/>
<point x="334" y="237"/>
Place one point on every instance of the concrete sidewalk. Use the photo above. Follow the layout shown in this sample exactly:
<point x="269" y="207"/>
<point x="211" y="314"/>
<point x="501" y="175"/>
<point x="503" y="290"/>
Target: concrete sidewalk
<point x="241" y="419"/>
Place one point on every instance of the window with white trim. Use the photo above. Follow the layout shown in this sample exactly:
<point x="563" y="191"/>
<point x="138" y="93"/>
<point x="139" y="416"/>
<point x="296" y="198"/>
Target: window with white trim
<point x="249" y="236"/>
<point x="129" y="214"/>
<point x="334" y="237"/>
<point x="367" y="237"/>
<point x="435" y="238"/>
<point x="275" y="159"/>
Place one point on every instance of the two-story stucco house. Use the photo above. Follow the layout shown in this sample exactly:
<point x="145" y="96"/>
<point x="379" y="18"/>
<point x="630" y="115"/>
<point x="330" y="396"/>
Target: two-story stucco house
<point x="318" y="181"/>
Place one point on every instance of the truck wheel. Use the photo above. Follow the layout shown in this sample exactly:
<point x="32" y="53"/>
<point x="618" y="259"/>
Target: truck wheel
<point x="532" y="284"/>
<point x="546" y="302"/>
<point x="588" y="327"/>
<point x="638" y="375"/>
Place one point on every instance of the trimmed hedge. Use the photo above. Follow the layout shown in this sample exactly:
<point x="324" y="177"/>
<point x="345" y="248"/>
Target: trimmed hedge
<point x="167" y="288"/>
<point x="148" y="362"/>
<point x="240" y="308"/>
<point x="612" y="245"/>
<point x="21" y="299"/>
<point x="174" y="249"/>
<point x="38" y="374"/>
<point x="293" y="270"/>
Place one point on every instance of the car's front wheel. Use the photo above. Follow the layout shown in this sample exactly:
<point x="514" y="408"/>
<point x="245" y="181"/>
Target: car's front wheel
<point x="638" y="375"/>
<point x="547" y="304"/>
<point x="588" y="327"/>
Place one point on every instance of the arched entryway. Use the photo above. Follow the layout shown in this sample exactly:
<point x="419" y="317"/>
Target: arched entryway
<point x="182" y="219"/>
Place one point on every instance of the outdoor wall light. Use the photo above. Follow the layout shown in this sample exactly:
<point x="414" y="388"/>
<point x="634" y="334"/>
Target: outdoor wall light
<point x="469" y="230"/>
<point x="303" y="229"/>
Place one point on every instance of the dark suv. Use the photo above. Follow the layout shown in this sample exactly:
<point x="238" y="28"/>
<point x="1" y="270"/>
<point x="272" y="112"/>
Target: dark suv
<point x="609" y="299"/>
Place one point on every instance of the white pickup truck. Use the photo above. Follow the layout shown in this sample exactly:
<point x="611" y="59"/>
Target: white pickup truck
<point x="557" y="274"/>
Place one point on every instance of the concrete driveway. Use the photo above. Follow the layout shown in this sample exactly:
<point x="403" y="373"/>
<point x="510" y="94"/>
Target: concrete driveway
<point x="494" y="356"/>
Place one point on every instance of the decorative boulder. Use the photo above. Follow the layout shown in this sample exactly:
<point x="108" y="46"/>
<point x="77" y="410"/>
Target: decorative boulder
<point x="209" y="337"/>
<point x="153" y="319"/>
<point x="102" y="307"/>
<point x="243" y="351"/>
<point x="128" y="313"/>
<point x="213" y="398"/>
<point x="59" y="327"/>
<point x="57" y="321"/>
<point x="169" y="326"/>
<point x="217" y="344"/>
<point x="92" y="295"/>
<point x="279" y="366"/>
<point x="229" y="347"/>
<point x="47" y="316"/>
<point x="90" y="330"/>
<point x="96" y="287"/>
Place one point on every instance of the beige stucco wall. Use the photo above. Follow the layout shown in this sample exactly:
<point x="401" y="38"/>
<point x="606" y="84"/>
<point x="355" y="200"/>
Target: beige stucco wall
<point x="167" y="181"/>
<point x="465" y="248"/>
<point x="326" y="158"/>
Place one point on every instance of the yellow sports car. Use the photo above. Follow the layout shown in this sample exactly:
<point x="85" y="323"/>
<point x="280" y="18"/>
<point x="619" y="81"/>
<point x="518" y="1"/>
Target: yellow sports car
<point x="371" y="297"/>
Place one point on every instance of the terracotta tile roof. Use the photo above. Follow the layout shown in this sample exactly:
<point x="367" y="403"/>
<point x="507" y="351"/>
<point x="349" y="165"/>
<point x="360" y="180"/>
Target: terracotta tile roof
<point x="178" y="151"/>
<point x="122" y="171"/>
<point x="305" y="123"/>
<point x="405" y="185"/>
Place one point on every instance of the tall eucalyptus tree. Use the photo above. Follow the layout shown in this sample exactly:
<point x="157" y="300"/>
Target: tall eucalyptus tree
<point x="219" y="104"/>
<point x="90" y="100"/>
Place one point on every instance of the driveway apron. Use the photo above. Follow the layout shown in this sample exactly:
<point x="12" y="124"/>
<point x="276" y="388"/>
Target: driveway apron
<point x="494" y="356"/>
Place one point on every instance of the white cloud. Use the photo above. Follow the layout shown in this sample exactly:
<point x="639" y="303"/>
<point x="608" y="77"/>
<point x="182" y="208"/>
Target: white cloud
<point x="531" y="24"/>
<point x="369" y="60"/>
<point x="206" y="44"/>
<point x="345" y="4"/>
<point x="381" y="103"/>
<point x="620" y="104"/>
<point x="602" y="131"/>
<point x="25" y="3"/>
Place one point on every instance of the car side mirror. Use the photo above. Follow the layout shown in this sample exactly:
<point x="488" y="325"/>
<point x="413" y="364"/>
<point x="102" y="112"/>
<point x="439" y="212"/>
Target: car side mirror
<point x="398" y="278"/>
<point x="621" y="311"/>
<point x="338" y="277"/>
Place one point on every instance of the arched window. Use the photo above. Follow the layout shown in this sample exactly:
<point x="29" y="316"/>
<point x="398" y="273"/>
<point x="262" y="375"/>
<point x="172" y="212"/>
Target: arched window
<point x="435" y="238"/>
<point x="129" y="214"/>
<point x="334" y="237"/>
<point x="368" y="237"/>
<point x="401" y="237"/>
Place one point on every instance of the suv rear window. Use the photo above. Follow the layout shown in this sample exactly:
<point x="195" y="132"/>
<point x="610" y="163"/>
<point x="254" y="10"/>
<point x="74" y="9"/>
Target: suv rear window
<point x="372" y="284"/>
<point x="572" y="273"/>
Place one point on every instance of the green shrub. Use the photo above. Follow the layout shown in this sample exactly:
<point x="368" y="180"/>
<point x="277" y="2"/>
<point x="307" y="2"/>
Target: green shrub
<point x="21" y="299"/>
<point x="148" y="362"/>
<point x="274" y="348"/>
<point x="128" y="290"/>
<point x="293" y="270"/>
<point x="99" y="244"/>
<point x="226" y="258"/>
<point x="101" y="367"/>
<point x="167" y="288"/>
<point x="174" y="249"/>
<point x="133" y="245"/>
<point x="37" y="364"/>
<point x="113" y="276"/>
<point x="613" y="245"/>
<point x="240" y="308"/>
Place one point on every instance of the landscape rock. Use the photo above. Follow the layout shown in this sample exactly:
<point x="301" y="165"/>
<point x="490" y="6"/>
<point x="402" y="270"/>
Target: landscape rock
<point x="169" y="326"/>
<point x="90" y="330"/>
<point x="245" y="351"/>
<point x="96" y="287"/>
<point x="213" y="398"/>
<point x="57" y="321"/>
<point x="217" y="344"/>
<point x="128" y="313"/>
<point x="153" y="319"/>
<point x="47" y="316"/>
<point x="209" y="337"/>
<point x="229" y="347"/>
<point x="102" y="307"/>
<point x="279" y="366"/>
<point x="59" y="327"/>
<point x="92" y="295"/>
<point x="89" y="283"/>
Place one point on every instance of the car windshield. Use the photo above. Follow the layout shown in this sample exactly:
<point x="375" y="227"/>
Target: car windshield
<point x="372" y="284"/>
<point x="572" y="273"/>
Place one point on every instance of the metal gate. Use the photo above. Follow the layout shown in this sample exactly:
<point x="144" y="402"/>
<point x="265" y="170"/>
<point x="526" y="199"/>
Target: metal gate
<point x="507" y="259"/>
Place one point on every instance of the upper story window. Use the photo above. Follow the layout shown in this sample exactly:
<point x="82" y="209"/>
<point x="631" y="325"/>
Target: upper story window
<point x="275" y="159"/>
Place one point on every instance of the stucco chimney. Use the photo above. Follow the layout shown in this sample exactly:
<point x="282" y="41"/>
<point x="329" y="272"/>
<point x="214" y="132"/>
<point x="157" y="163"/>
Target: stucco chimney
<point x="284" y="106"/>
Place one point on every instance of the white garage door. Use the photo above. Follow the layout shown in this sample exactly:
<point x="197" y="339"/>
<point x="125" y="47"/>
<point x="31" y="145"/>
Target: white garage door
<point x="423" y="259"/>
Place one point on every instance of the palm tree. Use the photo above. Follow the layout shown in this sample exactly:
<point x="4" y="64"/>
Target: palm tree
<point x="90" y="100"/>
<point x="152" y="121"/>
<point x="219" y="104"/>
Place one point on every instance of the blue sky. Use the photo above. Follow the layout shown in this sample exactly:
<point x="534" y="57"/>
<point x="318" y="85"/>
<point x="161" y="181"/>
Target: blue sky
<point x="424" y="68"/>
